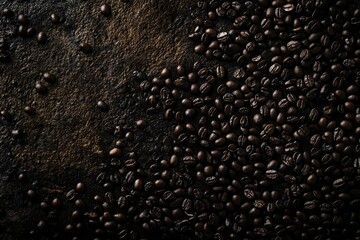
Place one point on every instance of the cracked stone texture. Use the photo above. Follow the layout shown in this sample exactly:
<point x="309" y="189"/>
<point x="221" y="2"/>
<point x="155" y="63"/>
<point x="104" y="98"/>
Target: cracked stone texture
<point x="66" y="140"/>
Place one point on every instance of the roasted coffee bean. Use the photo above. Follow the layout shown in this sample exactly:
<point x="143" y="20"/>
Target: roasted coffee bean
<point x="41" y="88"/>
<point x="105" y="10"/>
<point x="23" y="20"/>
<point x="221" y="72"/>
<point x="248" y="193"/>
<point x="48" y="77"/>
<point x="22" y="31"/>
<point x="186" y="204"/>
<point x="29" y="110"/>
<point x="141" y="124"/>
<point x="267" y="131"/>
<point x="85" y="48"/>
<point x="309" y="81"/>
<point x="223" y="37"/>
<point x="293" y="46"/>
<point x="71" y="195"/>
<point x="41" y="37"/>
<point x="7" y="12"/>
<point x="103" y="106"/>
<point x="80" y="187"/>
<point x="339" y="184"/>
<point x="56" y="202"/>
<point x="239" y="73"/>
<point x="205" y="88"/>
<point x="275" y="69"/>
<point x="54" y="18"/>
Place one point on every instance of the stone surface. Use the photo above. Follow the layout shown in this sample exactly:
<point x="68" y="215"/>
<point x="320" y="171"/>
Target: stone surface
<point x="67" y="138"/>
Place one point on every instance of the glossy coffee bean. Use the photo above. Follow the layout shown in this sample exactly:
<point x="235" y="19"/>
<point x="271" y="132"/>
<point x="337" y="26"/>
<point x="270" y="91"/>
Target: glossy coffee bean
<point x="105" y="10"/>
<point x="41" y="37"/>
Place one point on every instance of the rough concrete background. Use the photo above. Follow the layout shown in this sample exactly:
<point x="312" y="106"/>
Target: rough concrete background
<point x="67" y="138"/>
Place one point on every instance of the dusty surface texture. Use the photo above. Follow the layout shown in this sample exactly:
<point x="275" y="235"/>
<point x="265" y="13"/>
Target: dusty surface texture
<point x="257" y="140"/>
<point x="67" y="139"/>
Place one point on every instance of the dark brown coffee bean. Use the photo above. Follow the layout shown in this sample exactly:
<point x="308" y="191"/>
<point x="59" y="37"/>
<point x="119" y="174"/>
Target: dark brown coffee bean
<point x="186" y="204"/>
<point x="138" y="184"/>
<point x="41" y="37"/>
<point x="199" y="48"/>
<point x="339" y="184"/>
<point x="239" y="73"/>
<point x="223" y="37"/>
<point x="7" y="12"/>
<point x="267" y="131"/>
<point x="29" y="110"/>
<point x="221" y="72"/>
<point x="103" y="106"/>
<point x="105" y="9"/>
<point x="30" y="32"/>
<point x="80" y="187"/>
<point x="310" y="205"/>
<point x="41" y="88"/>
<point x="56" y="202"/>
<point x="54" y="18"/>
<point x="48" y="77"/>
<point x="85" y="48"/>
<point x="293" y="46"/>
<point x="71" y="195"/>
<point x="141" y="124"/>
<point x="335" y="46"/>
<point x="248" y="193"/>
<point x="275" y="69"/>
<point x="346" y="125"/>
<point x="23" y="20"/>
<point x="205" y="88"/>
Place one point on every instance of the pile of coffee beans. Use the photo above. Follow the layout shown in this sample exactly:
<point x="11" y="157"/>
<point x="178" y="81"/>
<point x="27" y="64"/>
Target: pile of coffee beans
<point x="265" y="140"/>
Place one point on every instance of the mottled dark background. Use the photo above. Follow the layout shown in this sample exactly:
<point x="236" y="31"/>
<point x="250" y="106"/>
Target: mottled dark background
<point x="67" y="139"/>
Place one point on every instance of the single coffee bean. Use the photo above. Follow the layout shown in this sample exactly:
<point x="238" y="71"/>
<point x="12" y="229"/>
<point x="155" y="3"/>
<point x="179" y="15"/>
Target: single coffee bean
<point x="105" y="10"/>
<point x="48" y="77"/>
<point x="85" y="48"/>
<point x="205" y="88"/>
<point x="54" y="18"/>
<point x="293" y="46"/>
<point x="41" y="37"/>
<point x="41" y="88"/>
<point x="80" y="187"/>
<point x="275" y="69"/>
<point x="23" y="20"/>
<point x="141" y="124"/>
<point x="103" y="106"/>
<point x="7" y="12"/>
<point x="29" y="110"/>
<point x="71" y="195"/>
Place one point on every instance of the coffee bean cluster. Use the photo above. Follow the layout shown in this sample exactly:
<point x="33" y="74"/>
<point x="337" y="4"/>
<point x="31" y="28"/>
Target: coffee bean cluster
<point x="265" y="134"/>
<point x="266" y="142"/>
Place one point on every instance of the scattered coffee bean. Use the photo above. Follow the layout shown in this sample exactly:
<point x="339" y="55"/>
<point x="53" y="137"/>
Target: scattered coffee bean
<point x="23" y="20"/>
<point x="141" y="124"/>
<point x="48" y="77"/>
<point x="7" y="12"/>
<point x="86" y="48"/>
<point x="29" y="110"/>
<point x="41" y="88"/>
<point x="41" y="37"/>
<point x="103" y="106"/>
<point x="115" y="152"/>
<point x="262" y="144"/>
<point x="105" y="10"/>
<point x="55" y="19"/>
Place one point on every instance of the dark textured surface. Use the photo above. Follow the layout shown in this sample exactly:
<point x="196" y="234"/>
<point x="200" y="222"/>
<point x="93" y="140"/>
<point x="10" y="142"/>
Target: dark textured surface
<point x="263" y="144"/>
<point x="66" y="139"/>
